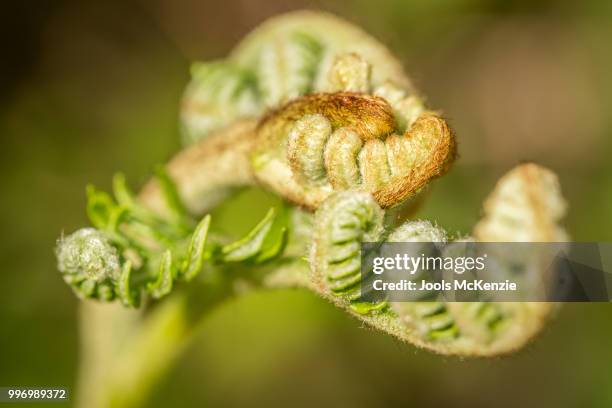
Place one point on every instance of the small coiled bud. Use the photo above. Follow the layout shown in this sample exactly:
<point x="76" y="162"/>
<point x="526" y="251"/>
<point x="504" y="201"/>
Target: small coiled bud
<point x="304" y="64"/>
<point x="341" y="223"/>
<point x="346" y="219"/>
<point x="324" y="142"/>
<point x="89" y="263"/>
<point x="417" y="231"/>
<point x="349" y="72"/>
<point x="526" y="206"/>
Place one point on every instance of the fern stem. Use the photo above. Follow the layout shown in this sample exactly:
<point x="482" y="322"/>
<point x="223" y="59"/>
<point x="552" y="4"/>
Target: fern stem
<point x="207" y="172"/>
<point x="126" y="353"/>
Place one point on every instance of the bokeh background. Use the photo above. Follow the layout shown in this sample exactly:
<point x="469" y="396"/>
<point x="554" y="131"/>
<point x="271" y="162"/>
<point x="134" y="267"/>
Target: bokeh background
<point x="92" y="87"/>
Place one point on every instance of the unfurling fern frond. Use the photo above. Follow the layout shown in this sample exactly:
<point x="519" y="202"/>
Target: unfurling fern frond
<point x="321" y="143"/>
<point x="526" y="206"/>
<point x="323" y="115"/>
<point x="133" y="252"/>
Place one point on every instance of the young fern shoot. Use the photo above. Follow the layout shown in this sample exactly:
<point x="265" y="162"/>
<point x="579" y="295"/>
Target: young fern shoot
<point x="303" y="86"/>
<point x="525" y="206"/>
<point x="315" y="110"/>
<point x="133" y="252"/>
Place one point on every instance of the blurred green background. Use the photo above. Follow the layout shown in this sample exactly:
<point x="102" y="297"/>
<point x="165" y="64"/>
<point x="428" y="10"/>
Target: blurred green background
<point x="89" y="88"/>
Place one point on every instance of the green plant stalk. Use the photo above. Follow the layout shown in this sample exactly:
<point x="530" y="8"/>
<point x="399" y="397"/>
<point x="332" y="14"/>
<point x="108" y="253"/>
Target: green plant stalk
<point x="126" y="352"/>
<point x="209" y="171"/>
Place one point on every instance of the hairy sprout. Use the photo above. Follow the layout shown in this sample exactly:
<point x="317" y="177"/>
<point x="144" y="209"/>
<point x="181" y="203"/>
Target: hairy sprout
<point x="320" y="113"/>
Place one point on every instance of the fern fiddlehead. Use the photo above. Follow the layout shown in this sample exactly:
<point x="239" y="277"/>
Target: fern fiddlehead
<point x="325" y="142"/>
<point x="341" y="224"/>
<point x="132" y="251"/>
<point x="221" y="98"/>
<point x="335" y="112"/>
<point x="346" y="219"/>
<point x="322" y="114"/>
<point x="89" y="260"/>
<point x="341" y="115"/>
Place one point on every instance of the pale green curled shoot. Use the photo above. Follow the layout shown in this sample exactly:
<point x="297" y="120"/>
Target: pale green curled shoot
<point x="326" y="142"/>
<point x="133" y="252"/>
<point x="344" y="220"/>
